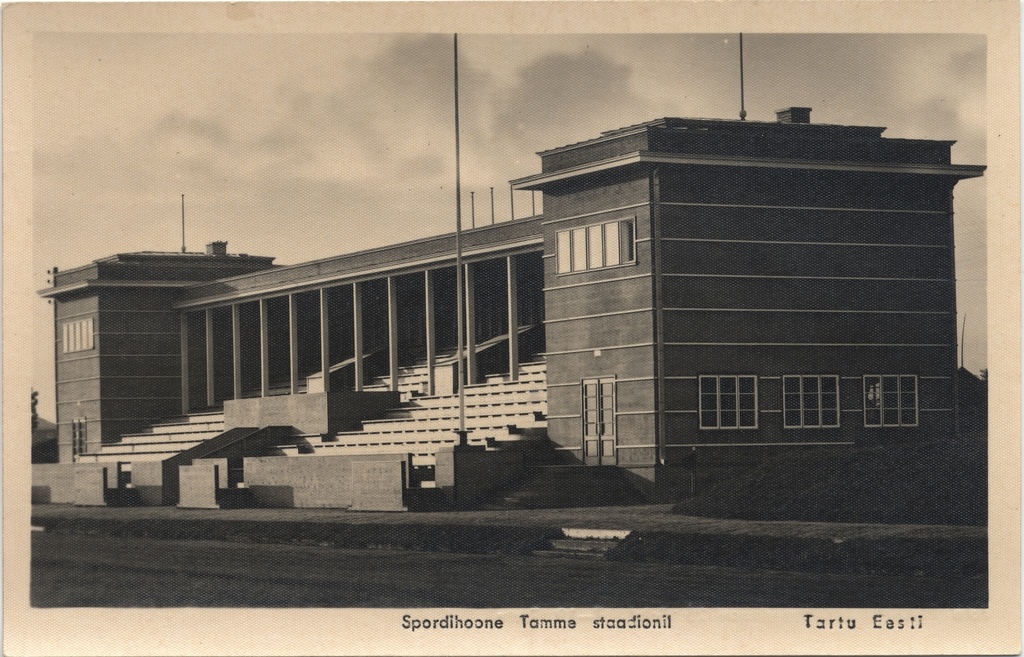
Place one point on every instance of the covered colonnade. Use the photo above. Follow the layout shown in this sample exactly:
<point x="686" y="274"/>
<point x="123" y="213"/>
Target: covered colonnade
<point x="276" y="333"/>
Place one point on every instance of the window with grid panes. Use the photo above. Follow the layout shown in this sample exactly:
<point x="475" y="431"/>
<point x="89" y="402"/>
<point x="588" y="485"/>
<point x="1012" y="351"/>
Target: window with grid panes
<point x="890" y="400"/>
<point x="606" y="244"/>
<point x="728" y="402"/>
<point x="810" y="401"/>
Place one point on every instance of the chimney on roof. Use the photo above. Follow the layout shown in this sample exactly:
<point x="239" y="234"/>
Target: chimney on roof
<point x="217" y="248"/>
<point x="794" y="115"/>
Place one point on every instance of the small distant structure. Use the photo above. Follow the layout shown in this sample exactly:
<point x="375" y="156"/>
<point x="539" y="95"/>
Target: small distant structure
<point x="972" y="395"/>
<point x="44" y="442"/>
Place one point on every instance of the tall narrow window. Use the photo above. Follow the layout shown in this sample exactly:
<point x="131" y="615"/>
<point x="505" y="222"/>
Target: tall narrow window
<point x="579" y="249"/>
<point x="611" y="244"/>
<point x="564" y="252"/>
<point x="890" y="400"/>
<point x="77" y="335"/>
<point x="595" y="247"/>
<point x="728" y="402"/>
<point x="810" y="401"/>
<point x="79" y="437"/>
<point x="599" y="421"/>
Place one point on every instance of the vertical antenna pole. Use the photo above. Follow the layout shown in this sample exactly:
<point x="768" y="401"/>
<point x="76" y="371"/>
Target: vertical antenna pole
<point x="182" y="223"/>
<point x="743" y="109"/>
<point x="472" y="209"/>
<point x="963" y="329"/>
<point x="492" y="206"/>
<point x="458" y="260"/>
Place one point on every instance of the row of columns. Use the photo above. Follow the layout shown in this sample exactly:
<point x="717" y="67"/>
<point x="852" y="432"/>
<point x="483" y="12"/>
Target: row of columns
<point x="358" y="342"/>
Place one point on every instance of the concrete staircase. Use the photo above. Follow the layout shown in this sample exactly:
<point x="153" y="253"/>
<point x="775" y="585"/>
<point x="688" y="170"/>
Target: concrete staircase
<point x="583" y="544"/>
<point x="161" y="440"/>
<point x="568" y="486"/>
<point x="500" y="413"/>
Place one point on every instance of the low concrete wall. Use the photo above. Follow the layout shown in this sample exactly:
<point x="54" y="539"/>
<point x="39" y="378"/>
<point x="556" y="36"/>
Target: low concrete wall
<point x="148" y="480"/>
<point x="315" y="481"/>
<point x="92" y="481"/>
<point x="199" y="483"/>
<point x="377" y="485"/>
<point x="324" y="412"/>
<point x="53" y="483"/>
<point x="468" y="474"/>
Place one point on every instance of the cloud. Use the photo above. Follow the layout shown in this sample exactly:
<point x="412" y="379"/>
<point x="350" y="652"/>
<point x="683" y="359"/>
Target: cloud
<point x="563" y="97"/>
<point x="304" y="146"/>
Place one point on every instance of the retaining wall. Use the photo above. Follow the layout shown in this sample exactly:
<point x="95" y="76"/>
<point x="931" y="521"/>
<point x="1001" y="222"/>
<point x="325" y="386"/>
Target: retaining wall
<point x="326" y="481"/>
<point x="53" y="483"/>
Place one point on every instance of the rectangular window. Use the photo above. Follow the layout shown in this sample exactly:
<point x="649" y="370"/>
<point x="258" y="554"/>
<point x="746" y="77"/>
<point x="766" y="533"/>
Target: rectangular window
<point x="611" y="244"/>
<point x="810" y="401"/>
<point x="599" y="421"/>
<point x="579" y="249"/>
<point x="79" y="437"/>
<point x="77" y="335"/>
<point x="607" y="244"/>
<point x="564" y="252"/>
<point x="595" y="247"/>
<point x="890" y="400"/>
<point x="728" y="402"/>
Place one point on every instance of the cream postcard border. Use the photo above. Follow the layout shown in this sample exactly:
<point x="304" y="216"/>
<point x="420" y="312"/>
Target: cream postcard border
<point x="85" y="631"/>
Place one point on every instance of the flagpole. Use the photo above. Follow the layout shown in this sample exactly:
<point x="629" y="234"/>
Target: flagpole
<point x="460" y="321"/>
<point x="183" y="223"/>
<point x="743" y="109"/>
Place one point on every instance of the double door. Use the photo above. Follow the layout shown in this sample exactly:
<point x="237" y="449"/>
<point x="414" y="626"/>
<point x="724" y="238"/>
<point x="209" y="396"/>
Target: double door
<point x="599" y="421"/>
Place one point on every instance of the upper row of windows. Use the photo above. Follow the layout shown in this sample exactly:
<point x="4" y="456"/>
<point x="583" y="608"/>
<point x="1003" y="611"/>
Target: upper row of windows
<point x="607" y="244"/>
<point x="731" y="402"/>
<point x="78" y="335"/>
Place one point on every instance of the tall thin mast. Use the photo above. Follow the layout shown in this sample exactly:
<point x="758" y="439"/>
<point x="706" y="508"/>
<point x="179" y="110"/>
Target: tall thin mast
<point x="458" y="260"/>
<point x="182" y="223"/>
<point x="743" y="110"/>
<point x="963" y="333"/>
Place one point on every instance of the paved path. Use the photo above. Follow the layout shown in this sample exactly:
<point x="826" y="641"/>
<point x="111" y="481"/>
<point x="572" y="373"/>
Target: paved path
<point x="648" y="517"/>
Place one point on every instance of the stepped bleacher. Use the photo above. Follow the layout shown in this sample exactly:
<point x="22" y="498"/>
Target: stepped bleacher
<point x="161" y="440"/>
<point x="499" y="413"/>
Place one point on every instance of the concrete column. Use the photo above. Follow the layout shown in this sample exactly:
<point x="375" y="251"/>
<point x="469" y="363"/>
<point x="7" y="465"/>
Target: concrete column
<point x="236" y="351"/>
<point x="184" y="364"/>
<point x="513" y="320"/>
<point x="392" y="333"/>
<point x="211" y="380"/>
<point x="470" y="327"/>
<point x="357" y="333"/>
<point x="431" y="337"/>
<point x="325" y="341"/>
<point x="293" y="345"/>
<point x="264" y="351"/>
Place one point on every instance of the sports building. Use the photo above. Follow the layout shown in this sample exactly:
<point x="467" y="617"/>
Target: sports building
<point x="695" y="288"/>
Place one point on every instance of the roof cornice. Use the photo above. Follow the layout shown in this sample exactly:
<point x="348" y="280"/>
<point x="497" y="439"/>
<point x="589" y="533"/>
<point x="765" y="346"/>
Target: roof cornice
<point x="538" y="181"/>
<point x="93" y="283"/>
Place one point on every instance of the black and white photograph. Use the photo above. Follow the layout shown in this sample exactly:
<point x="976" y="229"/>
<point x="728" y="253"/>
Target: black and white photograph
<point x="458" y="328"/>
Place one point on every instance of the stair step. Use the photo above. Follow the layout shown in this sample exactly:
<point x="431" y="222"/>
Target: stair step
<point x="167" y="438"/>
<point x="583" y="545"/>
<point x="571" y="486"/>
<point x="182" y="427"/>
<point x="559" y="554"/>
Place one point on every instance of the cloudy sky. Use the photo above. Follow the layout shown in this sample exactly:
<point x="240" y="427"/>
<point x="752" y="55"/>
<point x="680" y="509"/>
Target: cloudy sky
<point x="307" y="146"/>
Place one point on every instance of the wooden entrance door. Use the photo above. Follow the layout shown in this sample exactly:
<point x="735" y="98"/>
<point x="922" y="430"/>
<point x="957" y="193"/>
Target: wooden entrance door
<point x="599" y="421"/>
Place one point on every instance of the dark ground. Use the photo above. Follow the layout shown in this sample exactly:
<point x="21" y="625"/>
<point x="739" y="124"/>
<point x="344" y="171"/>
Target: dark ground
<point x="76" y="570"/>
<point x="929" y="483"/>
